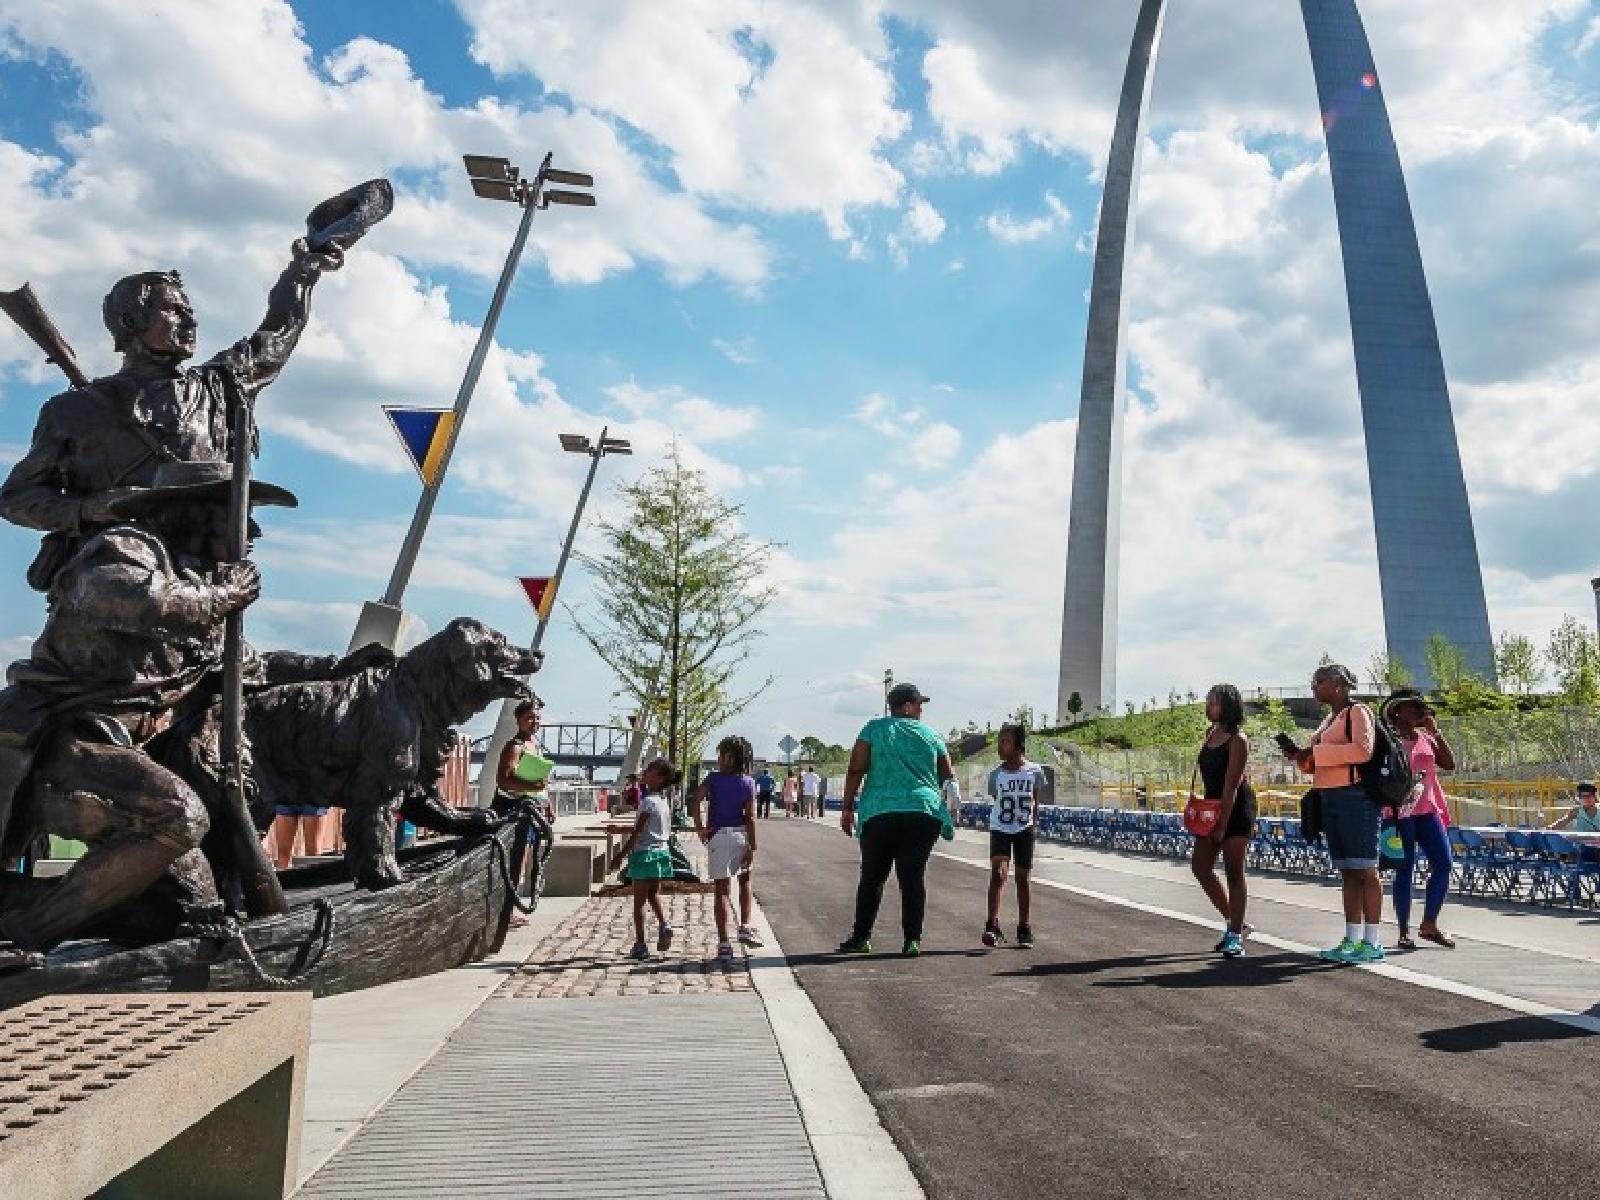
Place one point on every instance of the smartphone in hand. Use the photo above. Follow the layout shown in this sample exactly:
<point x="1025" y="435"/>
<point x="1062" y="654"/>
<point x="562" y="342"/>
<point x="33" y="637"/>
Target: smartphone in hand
<point x="1286" y="743"/>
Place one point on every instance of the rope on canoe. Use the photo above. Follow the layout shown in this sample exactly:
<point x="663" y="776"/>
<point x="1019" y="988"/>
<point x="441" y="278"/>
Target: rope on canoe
<point x="264" y="979"/>
<point x="503" y="865"/>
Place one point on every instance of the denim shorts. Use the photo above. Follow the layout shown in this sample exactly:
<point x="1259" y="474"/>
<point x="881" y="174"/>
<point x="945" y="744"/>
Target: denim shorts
<point x="1350" y="822"/>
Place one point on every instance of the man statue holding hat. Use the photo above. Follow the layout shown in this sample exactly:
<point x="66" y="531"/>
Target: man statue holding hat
<point x="100" y="441"/>
<point x="135" y="625"/>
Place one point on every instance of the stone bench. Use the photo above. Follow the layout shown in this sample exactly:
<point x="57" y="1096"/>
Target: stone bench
<point x="571" y="868"/>
<point x="601" y="841"/>
<point x="153" y="1095"/>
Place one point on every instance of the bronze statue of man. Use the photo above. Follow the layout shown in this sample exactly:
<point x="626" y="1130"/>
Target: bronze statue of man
<point x="135" y="625"/>
<point x="94" y="444"/>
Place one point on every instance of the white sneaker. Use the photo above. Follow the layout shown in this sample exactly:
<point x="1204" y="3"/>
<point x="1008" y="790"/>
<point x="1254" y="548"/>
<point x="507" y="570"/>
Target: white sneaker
<point x="749" y="937"/>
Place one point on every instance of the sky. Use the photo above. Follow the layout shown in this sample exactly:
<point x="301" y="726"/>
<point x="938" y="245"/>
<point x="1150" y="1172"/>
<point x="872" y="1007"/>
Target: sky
<point x="840" y="256"/>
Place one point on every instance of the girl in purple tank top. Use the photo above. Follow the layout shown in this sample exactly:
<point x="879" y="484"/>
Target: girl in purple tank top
<point x="729" y="833"/>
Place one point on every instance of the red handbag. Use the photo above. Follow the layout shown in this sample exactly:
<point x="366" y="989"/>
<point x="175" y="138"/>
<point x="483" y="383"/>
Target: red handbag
<point x="1200" y="815"/>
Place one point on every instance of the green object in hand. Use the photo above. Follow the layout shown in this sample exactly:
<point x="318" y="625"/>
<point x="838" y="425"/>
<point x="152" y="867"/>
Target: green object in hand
<point x="533" y="768"/>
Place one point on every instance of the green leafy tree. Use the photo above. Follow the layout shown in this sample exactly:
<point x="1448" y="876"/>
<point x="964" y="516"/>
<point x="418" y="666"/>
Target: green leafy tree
<point x="1574" y="656"/>
<point x="1022" y="715"/>
<point x="1516" y="662"/>
<point x="679" y="594"/>
<point x="1446" y="661"/>
<point x="1385" y="672"/>
<point x="1074" y="705"/>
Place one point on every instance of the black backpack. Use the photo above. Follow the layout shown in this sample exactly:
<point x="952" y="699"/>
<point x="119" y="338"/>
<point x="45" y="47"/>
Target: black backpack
<point x="1387" y="776"/>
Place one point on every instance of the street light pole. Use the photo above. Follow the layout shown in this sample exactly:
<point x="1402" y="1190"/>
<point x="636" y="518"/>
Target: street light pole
<point x="596" y="453"/>
<point x="430" y="492"/>
<point x="506" y="723"/>
<point x="888" y="682"/>
<point x="492" y="179"/>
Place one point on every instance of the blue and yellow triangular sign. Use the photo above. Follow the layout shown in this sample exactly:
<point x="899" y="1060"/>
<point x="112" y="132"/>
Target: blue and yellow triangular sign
<point x="425" y="433"/>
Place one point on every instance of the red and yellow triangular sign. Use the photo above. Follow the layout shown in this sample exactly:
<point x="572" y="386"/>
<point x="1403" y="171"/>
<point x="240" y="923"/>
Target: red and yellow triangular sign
<point x="541" y="593"/>
<point x="425" y="433"/>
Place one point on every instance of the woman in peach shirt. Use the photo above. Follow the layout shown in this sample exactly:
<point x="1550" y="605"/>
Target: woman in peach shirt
<point x="1350" y="819"/>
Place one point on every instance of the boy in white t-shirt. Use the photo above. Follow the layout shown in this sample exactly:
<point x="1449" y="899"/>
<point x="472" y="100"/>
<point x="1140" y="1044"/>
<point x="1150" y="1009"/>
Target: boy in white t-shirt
<point x="1016" y="788"/>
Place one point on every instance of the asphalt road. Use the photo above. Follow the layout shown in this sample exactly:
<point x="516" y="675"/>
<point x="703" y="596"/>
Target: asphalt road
<point x="1120" y="1058"/>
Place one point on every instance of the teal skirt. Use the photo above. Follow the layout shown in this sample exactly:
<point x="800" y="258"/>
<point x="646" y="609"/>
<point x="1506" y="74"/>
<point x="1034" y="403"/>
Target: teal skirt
<point x="655" y="863"/>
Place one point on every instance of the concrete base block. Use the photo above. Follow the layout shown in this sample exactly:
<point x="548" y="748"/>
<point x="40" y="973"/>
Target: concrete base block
<point x="181" y="1097"/>
<point x="570" y="869"/>
<point x="388" y="626"/>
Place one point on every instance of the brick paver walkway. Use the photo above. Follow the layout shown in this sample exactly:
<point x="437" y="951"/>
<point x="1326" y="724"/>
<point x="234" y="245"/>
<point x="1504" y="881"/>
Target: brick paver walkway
<point x="587" y="954"/>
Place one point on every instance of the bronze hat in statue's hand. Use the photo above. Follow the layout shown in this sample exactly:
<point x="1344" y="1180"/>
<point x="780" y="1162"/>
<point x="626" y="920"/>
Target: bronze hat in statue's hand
<point x="339" y="222"/>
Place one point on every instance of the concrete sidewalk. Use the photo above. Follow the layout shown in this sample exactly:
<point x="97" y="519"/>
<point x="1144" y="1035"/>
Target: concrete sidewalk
<point x="564" y="1068"/>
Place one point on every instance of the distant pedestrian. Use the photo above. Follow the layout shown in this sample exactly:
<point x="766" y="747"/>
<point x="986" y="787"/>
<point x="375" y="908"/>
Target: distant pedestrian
<point x="1423" y="823"/>
<point x="1016" y="789"/>
<point x="290" y="820"/>
<point x="897" y="767"/>
<point x="1221" y="764"/>
<point x="766" y="785"/>
<point x="1343" y="743"/>
<point x="791" y="793"/>
<point x="822" y="794"/>
<point x="630" y="793"/>
<point x="649" y="855"/>
<point x="810" y="793"/>
<point x="729" y="833"/>
<point x="1585" y="815"/>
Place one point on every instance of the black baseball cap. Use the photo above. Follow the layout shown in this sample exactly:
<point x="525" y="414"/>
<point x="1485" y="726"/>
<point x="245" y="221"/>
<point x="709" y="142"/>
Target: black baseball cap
<point x="905" y="693"/>
<point x="1587" y="785"/>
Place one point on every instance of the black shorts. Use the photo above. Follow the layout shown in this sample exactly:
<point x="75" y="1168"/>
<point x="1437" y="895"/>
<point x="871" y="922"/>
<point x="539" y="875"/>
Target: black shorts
<point x="1013" y="845"/>
<point x="1242" y="820"/>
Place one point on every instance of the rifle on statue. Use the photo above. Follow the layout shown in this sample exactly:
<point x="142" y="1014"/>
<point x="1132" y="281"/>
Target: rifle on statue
<point x="23" y="307"/>
<point x="258" y="881"/>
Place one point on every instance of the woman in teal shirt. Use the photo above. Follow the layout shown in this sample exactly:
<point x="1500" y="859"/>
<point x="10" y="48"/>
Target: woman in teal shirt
<point x="904" y="764"/>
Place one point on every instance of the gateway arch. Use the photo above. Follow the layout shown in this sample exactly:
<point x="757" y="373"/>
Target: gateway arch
<point x="1428" y="567"/>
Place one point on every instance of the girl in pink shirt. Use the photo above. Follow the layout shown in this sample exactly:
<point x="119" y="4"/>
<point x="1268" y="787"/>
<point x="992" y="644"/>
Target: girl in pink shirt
<point x="1423" y="823"/>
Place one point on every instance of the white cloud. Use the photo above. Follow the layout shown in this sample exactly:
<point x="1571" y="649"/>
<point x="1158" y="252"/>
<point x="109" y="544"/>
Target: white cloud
<point x="1590" y="38"/>
<point x="1006" y="228"/>
<point x="921" y="224"/>
<point x="778" y="107"/>
<point x="922" y="221"/>
<point x="740" y="353"/>
<point x="936" y="446"/>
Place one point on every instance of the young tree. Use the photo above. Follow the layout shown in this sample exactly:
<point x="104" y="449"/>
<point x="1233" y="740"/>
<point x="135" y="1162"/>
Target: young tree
<point x="1446" y="661"/>
<point x="1023" y="715"/>
<point x="1074" y="705"/>
<point x="1574" y="655"/>
<point x="679" y="591"/>
<point x="1386" y="672"/>
<point x="1516" y="662"/>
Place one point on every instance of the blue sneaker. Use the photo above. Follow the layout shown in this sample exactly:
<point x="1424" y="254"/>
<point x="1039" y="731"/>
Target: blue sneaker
<point x="1366" y="952"/>
<point x="1344" y="952"/>
<point x="1231" y="946"/>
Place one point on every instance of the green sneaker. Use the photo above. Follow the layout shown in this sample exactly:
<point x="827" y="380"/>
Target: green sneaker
<point x="1344" y="952"/>
<point x="1366" y="952"/>
<point x="910" y="949"/>
<point x="855" y="946"/>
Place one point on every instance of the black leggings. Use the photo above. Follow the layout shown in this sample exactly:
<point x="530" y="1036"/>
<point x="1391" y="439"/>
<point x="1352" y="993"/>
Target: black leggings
<point x="903" y="841"/>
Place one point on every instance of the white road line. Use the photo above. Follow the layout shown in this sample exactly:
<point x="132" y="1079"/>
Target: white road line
<point x="856" y="1156"/>
<point x="1517" y="1004"/>
<point x="1130" y="869"/>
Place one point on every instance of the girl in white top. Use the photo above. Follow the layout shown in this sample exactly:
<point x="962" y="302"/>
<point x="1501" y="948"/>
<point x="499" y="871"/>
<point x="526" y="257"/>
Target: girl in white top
<point x="649" y="854"/>
<point x="1016" y="789"/>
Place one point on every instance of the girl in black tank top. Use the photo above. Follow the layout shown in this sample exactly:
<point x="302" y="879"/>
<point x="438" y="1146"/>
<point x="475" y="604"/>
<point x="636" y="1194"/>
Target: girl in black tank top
<point x="1225" y="711"/>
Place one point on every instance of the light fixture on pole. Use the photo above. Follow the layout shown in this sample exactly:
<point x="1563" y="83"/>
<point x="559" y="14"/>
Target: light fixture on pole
<point x="888" y="682"/>
<point x="491" y="179"/>
<point x="572" y="443"/>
